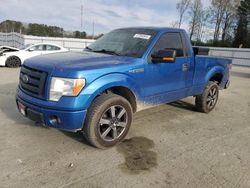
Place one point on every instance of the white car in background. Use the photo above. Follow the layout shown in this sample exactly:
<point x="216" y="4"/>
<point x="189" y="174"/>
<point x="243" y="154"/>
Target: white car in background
<point x="8" y="49"/>
<point x="16" y="58"/>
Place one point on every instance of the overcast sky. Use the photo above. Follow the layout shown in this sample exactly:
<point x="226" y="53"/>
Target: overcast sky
<point x="106" y="14"/>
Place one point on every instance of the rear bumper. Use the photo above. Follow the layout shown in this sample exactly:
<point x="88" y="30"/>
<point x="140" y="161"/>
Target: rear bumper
<point x="227" y="84"/>
<point x="224" y="85"/>
<point x="66" y="120"/>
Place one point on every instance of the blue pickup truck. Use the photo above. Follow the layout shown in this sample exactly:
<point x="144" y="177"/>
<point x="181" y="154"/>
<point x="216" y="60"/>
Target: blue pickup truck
<point x="98" y="90"/>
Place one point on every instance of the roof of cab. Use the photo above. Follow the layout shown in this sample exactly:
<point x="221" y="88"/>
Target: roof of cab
<point x="158" y="29"/>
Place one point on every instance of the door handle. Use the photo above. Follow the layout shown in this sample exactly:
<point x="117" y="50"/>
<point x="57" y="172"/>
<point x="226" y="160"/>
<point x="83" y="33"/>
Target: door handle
<point x="185" y="67"/>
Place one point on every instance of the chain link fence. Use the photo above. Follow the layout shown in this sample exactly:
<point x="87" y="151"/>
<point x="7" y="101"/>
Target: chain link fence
<point x="11" y="39"/>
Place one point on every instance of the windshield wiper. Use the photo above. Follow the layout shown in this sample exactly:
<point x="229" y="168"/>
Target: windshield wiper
<point x="107" y="52"/>
<point x="131" y="54"/>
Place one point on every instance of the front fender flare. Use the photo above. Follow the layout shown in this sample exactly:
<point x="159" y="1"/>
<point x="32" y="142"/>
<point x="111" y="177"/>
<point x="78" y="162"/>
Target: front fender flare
<point x="108" y="81"/>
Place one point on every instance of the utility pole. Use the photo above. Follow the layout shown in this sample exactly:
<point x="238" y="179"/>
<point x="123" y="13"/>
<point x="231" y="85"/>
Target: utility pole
<point x="93" y="30"/>
<point x="82" y="17"/>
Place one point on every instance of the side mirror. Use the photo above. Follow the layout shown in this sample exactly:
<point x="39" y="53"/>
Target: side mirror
<point x="31" y="50"/>
<point x="164" y="56"/>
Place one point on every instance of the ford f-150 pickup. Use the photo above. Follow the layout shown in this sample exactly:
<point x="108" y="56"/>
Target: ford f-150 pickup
<point x="98" y="90"/>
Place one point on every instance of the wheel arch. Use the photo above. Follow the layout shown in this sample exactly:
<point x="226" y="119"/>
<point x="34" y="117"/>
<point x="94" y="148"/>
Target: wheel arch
<point x="120" y="90"/>
<point x="215" y="74"/>
<point x="217" y="77"/>
<point x="123" y="92"/>
<point x="118" y="84"/>
<point x="13" y="55"/>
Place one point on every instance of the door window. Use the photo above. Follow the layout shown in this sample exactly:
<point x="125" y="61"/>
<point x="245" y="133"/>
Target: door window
<point x="38" y="48"/>
<point x="171" y="41"/>
<point x="52" y="48"/>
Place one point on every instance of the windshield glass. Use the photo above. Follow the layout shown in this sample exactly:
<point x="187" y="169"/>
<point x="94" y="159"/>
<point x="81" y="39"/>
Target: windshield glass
<point x="124" y="42"/>
<point x="26" y="46"/>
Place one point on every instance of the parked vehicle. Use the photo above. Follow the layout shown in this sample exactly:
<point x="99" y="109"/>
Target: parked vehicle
<point x="4" y="49"/>
<point x="127" y="70"/>
<point x="15" y="57"/>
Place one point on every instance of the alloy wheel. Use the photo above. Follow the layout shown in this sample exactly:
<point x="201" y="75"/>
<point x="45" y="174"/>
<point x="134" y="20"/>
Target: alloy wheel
<point x="113" y="123"/>
<point x="212" y="97"/>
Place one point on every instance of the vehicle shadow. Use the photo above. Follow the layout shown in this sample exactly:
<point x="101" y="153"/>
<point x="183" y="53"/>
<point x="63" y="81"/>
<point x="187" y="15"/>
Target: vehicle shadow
<point x="240" y="74"/>
<point x="9" y="108"/>
<point x="183" y="105"/>
<point x="8" y="105"/>
<point x="78" y="136"/>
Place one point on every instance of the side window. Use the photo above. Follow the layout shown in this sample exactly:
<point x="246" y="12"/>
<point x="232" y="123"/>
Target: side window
<point x="38" y="48"/>
<point x="170" y="41"/>
<point x="52" y="48"/>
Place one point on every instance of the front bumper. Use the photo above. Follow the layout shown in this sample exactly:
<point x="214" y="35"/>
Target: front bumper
<point x="66" y="120"/>
<point x="2" y="60"/>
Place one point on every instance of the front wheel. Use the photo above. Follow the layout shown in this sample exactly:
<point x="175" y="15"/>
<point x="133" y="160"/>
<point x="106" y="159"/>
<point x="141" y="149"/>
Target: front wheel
<point x="13" y="62"/>
<point x="108" y="120"/>
<point x="207" y="101"/>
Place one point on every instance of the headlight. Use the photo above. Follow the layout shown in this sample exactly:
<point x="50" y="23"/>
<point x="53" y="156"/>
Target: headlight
<point x="65" y="87"/>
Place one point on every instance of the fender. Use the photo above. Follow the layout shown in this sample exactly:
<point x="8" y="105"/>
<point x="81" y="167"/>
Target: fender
<point x="214" y="70"/>
<point x="108" y="81"/>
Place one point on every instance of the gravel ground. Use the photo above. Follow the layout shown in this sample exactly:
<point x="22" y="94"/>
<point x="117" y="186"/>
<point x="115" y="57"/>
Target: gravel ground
<point x="168" y="146"/>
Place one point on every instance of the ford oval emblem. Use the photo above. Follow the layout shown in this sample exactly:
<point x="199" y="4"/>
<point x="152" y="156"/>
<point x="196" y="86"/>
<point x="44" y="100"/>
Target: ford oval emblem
<point x="25" y="79"/>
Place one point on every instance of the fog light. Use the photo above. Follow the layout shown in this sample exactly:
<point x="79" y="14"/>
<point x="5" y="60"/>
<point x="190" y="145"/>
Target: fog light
<point x="54" y="120"/>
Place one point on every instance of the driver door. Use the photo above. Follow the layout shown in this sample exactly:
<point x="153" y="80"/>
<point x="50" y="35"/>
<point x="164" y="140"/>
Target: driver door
<point x="167" y="80"/>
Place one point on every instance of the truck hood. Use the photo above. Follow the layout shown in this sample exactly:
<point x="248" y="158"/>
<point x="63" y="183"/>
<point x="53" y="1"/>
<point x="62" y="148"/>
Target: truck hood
<point x="79" y="61"/>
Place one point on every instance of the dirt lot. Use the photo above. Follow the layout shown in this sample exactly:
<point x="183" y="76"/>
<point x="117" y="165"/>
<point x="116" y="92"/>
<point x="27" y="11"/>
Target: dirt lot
<point x="170" y="146"/>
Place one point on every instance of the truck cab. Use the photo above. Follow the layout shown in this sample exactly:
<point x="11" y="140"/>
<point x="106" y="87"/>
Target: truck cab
<point x="127" y="70"/>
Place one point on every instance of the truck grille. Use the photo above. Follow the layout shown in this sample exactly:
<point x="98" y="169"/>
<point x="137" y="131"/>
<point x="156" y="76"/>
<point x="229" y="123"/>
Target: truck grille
<point x="32" y="81"/>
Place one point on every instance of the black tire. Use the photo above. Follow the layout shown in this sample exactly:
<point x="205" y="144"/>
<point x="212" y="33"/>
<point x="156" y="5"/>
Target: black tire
<point x="207" y="101"/>
<point x="13" y="62"/>
<point x="108" y="120"/>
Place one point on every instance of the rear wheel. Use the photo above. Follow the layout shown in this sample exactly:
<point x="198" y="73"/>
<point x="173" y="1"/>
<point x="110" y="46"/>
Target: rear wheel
<point x="13" y="62"/>
<point x="108" y="120"/>
<point x="207" y="101"/>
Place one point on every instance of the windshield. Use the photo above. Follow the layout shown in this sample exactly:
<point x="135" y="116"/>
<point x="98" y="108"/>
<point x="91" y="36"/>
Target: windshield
<point x="26" y="46"/>
<point x="124" y="42"/>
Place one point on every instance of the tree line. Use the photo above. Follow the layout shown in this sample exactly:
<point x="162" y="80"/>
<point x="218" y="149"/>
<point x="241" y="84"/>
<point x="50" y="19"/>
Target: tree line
<point x="39" y="30"/>
<point x="227" y="22"/>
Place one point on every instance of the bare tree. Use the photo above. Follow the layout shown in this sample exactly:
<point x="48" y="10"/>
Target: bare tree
<point x="217" y="11"/>
<point x="229" y="19"/>
<point x="196" y="13"/>
<point x="222" y="12"/>
<point x="174" y="24"/>
<point x="203" y="25"/>
<point x="182" y="7"/>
